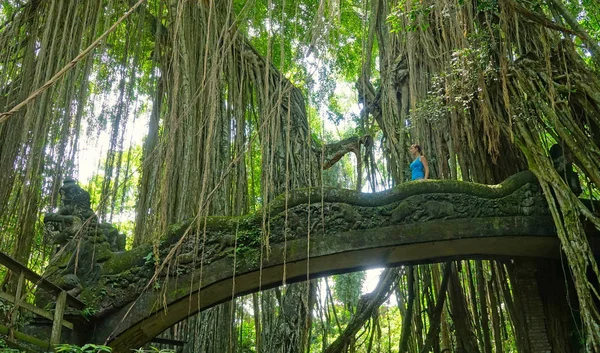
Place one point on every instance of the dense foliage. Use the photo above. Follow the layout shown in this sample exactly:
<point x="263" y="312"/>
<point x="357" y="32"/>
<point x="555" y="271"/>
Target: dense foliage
<point x="192" y="108"/>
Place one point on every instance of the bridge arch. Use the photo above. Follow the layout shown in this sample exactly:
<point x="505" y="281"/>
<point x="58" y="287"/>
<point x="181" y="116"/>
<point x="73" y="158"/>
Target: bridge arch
<point x="420" y="222"/>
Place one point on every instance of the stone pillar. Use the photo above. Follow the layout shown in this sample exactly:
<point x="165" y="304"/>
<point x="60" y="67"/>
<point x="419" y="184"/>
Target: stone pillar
<point x="524" y="279"/>
<point x="559" y="299"/>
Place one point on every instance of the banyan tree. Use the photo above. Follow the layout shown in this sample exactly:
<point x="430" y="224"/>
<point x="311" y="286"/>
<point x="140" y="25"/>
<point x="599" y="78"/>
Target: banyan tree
<point x="217" y="107"/>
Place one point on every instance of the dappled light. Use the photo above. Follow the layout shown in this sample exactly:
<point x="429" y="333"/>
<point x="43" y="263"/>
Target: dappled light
<point x="214" y="176"/>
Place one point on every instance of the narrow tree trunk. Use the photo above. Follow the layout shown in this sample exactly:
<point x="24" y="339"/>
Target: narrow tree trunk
<point x="473" y="301"/>
<point x="515" y="310"/>
<point x="494" y="307"/>
<point x="257" y="334"/>
<point x="460" y="314"/>
<point x="434" y="327"/>
<point x="407" y="318"/>
<point x="485" y="328"/>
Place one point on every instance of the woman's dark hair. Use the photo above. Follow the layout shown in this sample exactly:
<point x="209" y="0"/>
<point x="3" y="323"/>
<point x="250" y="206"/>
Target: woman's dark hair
<point x="417" y="147"/>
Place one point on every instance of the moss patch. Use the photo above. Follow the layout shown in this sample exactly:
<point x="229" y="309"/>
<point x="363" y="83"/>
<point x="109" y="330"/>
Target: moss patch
<point x="121" y="262"/>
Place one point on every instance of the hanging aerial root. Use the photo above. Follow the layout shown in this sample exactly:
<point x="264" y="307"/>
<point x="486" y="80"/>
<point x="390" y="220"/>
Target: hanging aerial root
<point x="570" y="232"/>
<point x="6" y="115"/>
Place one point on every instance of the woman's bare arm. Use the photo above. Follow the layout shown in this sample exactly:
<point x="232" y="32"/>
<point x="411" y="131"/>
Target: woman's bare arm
<point x="425" y="166"/>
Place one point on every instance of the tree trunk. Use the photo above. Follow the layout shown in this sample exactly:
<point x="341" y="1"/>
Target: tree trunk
<point x="515" y="310"/>
<point x="485" y="328"/>
<point x="434" y="327"/>
<point x="257" y="331"/>
<point x="407" y="318"/>
<point x="494" y="307"/>
<point x="460" y="314"/>
<point x="473" y="301"/>
<point x="367" y="305"/>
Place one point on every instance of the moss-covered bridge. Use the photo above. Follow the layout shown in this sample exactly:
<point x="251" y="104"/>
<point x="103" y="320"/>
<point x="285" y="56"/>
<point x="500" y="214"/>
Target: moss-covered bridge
<point x="311" y="234"/>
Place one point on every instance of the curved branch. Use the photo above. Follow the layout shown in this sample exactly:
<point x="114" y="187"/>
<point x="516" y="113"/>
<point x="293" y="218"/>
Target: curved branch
<point x="371" y="302"/>
<point x="333" y="152"/>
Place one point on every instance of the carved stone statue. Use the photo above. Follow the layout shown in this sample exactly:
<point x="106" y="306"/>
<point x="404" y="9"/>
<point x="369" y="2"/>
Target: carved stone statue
<point x="74" y="200"/>
<point x="82" y="242"/>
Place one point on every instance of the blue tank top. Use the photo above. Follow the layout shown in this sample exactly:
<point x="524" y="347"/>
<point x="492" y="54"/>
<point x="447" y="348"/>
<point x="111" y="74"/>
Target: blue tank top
<point x="417" y="169"/>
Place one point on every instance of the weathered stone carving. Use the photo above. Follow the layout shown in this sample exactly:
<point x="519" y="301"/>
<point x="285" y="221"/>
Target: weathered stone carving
<point x="82" y="243"/>
<point x="74" y="200"/>
<point x="115" y="279"/>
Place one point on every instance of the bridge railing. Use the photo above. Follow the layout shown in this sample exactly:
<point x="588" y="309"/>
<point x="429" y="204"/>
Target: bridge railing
<point x="63" y="299"/>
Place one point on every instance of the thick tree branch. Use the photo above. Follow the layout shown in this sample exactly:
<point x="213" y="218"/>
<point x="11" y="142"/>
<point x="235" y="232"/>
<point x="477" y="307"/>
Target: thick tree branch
<point x="591" y="44"/>
<point x="333" y="152"/>
<point x="540" y="19"/>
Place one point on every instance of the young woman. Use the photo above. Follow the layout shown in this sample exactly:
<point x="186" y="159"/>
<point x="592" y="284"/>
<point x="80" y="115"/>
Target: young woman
<point x="419" y="168"/>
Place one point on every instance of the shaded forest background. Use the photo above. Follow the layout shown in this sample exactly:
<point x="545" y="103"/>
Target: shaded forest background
<point x="191" y="108"/>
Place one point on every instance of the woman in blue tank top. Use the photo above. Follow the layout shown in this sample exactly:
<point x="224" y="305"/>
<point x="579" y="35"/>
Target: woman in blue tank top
<point x="419" y="168"/>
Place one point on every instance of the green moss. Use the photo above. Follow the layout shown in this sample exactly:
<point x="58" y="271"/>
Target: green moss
<point x="247" y="260"/>
<point x="102" y="252"/>
<point x="121" y="262"/>
<point x="219" y="223"/>
<point x="61" y="261"/>
<point x="350" y="197"/>
<point x="227" y="224"/>
<point x="293" y="250"/>
<point x="176" y="231"/>
<point x="178" y="293"/>
<point x="92" y="296"/>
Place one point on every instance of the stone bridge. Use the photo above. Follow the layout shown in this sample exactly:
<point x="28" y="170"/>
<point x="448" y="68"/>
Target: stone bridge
<point x="311" y="234"/>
